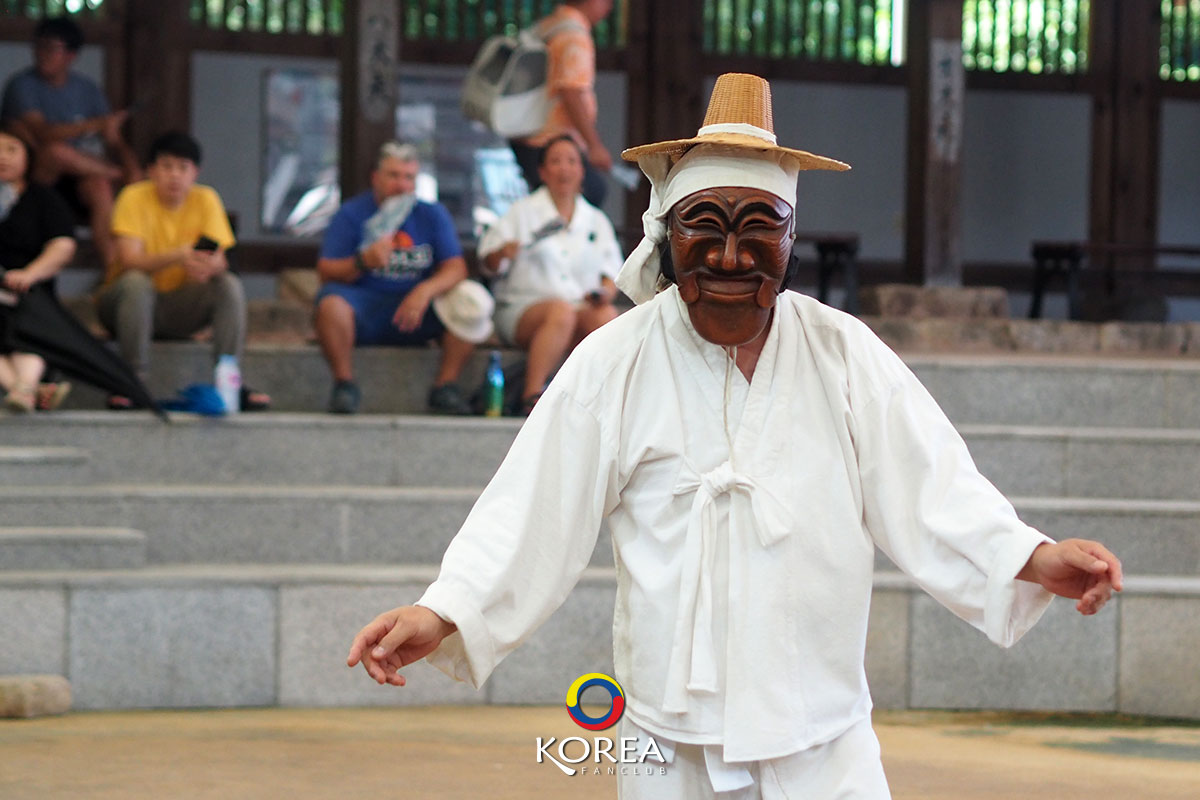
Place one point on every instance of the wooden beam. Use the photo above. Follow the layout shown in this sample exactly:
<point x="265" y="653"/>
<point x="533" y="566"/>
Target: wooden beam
<point x="159" y="64"/>
<point x="369" y="69"/>
<point x="1126" y="130"/>
<point x="936" y="89"/>
<point x="666" y="81"/>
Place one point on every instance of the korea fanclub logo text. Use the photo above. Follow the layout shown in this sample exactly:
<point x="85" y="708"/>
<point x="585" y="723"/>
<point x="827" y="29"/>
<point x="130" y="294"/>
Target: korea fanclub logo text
<point x="600" y="755"/>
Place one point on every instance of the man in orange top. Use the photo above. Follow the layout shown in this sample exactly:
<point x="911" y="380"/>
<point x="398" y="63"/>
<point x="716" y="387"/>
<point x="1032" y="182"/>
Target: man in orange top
<point x="171" y="277"/>
<point x="572" y="84"/>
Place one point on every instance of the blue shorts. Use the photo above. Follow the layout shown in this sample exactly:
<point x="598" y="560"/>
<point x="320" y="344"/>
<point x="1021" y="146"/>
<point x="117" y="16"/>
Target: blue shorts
<point x="373" y="312"/>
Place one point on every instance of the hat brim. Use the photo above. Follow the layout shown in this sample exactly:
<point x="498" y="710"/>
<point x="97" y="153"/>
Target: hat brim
<point x="735" y="141"/>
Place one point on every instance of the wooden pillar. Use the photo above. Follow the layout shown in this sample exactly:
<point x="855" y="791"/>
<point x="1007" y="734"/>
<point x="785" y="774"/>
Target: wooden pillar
<point x="666" y="82"/>
<point x="1126" y="122"/>
<point x="369" y="71"/>
<point x="936" y="81"/>
<point x="159" y="63"/>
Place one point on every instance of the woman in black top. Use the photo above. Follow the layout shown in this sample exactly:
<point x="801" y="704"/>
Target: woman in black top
<point x="36" y="242"/>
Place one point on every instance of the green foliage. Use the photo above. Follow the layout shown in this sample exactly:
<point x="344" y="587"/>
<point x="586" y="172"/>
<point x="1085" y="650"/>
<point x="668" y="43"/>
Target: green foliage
<point x="1179" y="52"/>
<point x="37" y="9"/>
<point x="1034" y="36"/>
<point x="817" y="30"/>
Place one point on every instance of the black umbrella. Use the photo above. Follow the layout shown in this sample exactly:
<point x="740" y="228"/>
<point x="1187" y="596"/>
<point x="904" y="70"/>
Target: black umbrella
<point x="35" y="322"/>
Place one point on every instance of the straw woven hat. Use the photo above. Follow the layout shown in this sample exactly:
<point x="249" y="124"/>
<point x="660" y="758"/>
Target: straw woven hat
<point x="739" y="116"/>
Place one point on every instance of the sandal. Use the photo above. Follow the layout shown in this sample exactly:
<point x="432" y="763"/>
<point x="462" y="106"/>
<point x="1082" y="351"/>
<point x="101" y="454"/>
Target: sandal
<point x="51" y="395"/>
<point x="254" y="401"/>
<point x="20" y="399"/>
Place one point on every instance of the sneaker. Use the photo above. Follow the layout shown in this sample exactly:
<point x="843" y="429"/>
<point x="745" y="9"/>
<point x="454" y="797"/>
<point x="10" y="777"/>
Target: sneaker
<point x="448" y="399"/>
<point x="345" y="398"/>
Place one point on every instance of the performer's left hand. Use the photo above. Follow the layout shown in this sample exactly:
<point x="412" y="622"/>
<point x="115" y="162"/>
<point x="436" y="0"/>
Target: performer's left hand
<point x="1080" y="569"/>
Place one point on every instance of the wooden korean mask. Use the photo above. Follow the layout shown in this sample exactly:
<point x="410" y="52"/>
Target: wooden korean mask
<point x="730" y="248"/>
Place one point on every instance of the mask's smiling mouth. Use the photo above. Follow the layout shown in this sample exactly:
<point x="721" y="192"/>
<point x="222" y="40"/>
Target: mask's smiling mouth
<point x="730" y="287"/>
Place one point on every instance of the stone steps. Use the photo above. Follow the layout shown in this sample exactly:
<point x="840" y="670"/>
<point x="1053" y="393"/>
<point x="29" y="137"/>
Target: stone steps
<point x="269" y="539"/>
<point x="273" y="449"/>
<point x="34" y="548"/>
<point x="405" y="525"/>
<point x="40" y="465"/>
<point x="993" y="389"/>
<point x="244" y="635"/>
<point x="285" y="449"/>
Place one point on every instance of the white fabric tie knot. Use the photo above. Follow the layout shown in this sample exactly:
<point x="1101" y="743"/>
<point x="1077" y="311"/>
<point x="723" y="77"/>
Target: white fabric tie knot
<point x="692" y="666"/>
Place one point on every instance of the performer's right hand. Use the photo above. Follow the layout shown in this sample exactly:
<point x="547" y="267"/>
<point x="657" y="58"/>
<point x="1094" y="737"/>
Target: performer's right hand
<point x="396" y="639"/>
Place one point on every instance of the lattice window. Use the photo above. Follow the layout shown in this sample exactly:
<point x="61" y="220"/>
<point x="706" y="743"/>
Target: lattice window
<point x="472" y="20"/>
<point x="316" y="17"/>
<point x="37" y="9"/>
<point x="862" y="31"/>
<point x="1180" y="49"/>
<point x="1034" y="36"/>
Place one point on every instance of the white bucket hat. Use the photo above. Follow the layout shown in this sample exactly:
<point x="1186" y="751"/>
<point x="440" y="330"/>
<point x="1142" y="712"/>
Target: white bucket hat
<point x="466" y="311"/>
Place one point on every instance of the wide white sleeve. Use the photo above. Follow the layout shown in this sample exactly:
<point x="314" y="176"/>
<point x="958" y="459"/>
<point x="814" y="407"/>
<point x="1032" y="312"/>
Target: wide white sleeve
<point x="527" y="539"/>
<point x="927" y="506"/>
<point x="504" y="230"/>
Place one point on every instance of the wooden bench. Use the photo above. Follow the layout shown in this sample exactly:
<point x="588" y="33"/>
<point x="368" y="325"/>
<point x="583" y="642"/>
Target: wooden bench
<point x="836" y="252"/>
<point x="1066" y="258"/>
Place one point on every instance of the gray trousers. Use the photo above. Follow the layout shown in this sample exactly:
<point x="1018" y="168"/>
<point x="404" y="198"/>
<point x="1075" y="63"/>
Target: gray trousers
<point x="134" y="313"/>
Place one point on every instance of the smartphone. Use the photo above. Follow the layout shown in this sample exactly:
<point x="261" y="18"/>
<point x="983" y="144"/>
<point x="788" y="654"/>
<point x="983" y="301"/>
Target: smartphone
<point x="206" y="244"/>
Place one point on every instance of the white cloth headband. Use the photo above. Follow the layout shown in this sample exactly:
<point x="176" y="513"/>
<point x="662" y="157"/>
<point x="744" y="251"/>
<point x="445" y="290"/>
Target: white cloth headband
<point x="744" y="128"/>
<point x="705" y="166"/>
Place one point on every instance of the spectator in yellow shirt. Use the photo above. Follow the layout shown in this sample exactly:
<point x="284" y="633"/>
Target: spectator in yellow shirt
<point x="171" y="277"/>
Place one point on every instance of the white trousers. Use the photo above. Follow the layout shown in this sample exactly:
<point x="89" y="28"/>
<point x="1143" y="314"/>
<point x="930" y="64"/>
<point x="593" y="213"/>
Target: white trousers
<point x="847" y="768"/>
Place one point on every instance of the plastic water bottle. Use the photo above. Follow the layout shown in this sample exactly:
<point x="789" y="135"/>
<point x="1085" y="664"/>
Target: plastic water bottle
<point x="228" y="380"/>
<point x="494" y="406"/>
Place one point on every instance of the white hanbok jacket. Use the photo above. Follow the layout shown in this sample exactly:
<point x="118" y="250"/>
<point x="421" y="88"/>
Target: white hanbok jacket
<point x="744" y="519"/>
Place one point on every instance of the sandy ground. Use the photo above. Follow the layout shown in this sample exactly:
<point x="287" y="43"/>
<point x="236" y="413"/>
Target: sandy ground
<point x="489" y="752"/>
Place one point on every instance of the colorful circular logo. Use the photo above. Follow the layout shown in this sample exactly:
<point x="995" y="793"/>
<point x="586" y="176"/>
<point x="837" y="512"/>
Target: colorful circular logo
<point x="575" y="696"/>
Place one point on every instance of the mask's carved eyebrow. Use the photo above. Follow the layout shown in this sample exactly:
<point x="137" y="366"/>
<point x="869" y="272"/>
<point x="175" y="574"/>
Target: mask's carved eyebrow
<point x="758" y="208"/>
<point x="700" y="207"/>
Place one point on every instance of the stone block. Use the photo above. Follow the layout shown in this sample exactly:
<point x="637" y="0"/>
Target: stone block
<point x="1067" y="662"/>
<point x="1020" y="465"/>
<point x="300" y="285"/>
<point x="1048" y="393"/>
<point x="1163" y="467"/>
<point x="33" y="631"/>
<point x="1158" y="668"/>
<point x="1053" y="336"/>
<point x="1149" y="338"/>
<point x="1182" y="400"/>
<point x="902" y="335"/>
<point x="1151" y="537"/>
<point x="920" y="302"/>
<point x="42" y="466"/>
<point x="279" y="321"/>
<point x="71" y="548"/>
<point x="887" y="648"/>
<point x="26" y="696"/>
<point x="173" y="648"/>
<point x="576" y="640"/>
<point x="412" y="529"/>
<point x="317" y="624"/>
<point x="451" y="453"/>
<point x="257" y="526"/>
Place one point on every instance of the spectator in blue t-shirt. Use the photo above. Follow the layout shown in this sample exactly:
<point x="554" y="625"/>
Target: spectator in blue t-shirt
<point x="385" y="257"/>
<point x="67" y="118"/>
